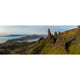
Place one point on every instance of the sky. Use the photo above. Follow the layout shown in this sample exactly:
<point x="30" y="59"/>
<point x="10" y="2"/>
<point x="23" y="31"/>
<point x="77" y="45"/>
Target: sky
<point x="33" y="29"/>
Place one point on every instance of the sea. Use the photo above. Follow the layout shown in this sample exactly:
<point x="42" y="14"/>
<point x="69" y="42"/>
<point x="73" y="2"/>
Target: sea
<point x="5" y="37"/>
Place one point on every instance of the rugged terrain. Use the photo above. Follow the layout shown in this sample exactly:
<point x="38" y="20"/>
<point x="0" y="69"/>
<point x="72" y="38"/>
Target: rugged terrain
<point x="67" y="42"/>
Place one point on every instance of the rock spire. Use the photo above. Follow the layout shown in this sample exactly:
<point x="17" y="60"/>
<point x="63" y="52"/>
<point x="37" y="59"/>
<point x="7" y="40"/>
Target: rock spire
<point x="49" y="33"/>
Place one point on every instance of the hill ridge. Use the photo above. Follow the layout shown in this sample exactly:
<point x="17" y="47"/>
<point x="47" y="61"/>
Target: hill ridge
<point x="67" y="42"/>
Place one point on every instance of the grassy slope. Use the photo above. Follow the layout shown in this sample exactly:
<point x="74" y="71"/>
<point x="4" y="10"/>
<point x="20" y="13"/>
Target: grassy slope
<point x="42" y="47"/>
<point x="73" y="47"/>
<point x="50" y="48"/>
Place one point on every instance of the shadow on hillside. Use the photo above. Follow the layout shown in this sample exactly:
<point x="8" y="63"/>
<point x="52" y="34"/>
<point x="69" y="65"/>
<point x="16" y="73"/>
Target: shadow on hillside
<point x="69" y="43"/>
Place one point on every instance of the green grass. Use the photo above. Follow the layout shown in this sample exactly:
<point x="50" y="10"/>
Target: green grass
<point x="44" y="46"/>
<point x="73" y="48"/>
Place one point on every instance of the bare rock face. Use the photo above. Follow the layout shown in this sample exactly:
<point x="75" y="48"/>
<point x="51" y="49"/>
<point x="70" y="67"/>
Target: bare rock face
<point x="56" y="39"/>
<point x="49" y="34"/>
<point x="55" y="36"/>
<point x="41" y="39"/>
<point x="50" y="37"/>
<point x="78" y="27"/>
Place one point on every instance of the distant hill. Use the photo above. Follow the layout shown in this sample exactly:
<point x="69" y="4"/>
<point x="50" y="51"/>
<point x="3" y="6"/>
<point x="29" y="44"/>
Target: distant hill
<point x="12" y="35"/>
<point x="25" y="38"/>
<point x="67" y="42"/>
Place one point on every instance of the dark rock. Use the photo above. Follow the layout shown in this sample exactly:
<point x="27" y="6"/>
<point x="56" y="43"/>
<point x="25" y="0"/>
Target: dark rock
<point x="49" y="34"/>
<point x="41" y="39"/>
<point x="55" y="36"/>
<point x="50" y="37"/>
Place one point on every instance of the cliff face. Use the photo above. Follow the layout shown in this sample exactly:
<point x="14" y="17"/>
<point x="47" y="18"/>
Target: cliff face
<point x="56" y="39"/>
<point x="50" y="37"/>
<point x="49" y="34"/>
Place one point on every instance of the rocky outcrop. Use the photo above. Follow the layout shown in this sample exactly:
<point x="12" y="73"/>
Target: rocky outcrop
<point x="55" y="36"/>
<point x="50" y="37"/>
<point x="58" y="39"/>
<point x="78" y="27"/>
<point x="49" y="34"/>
